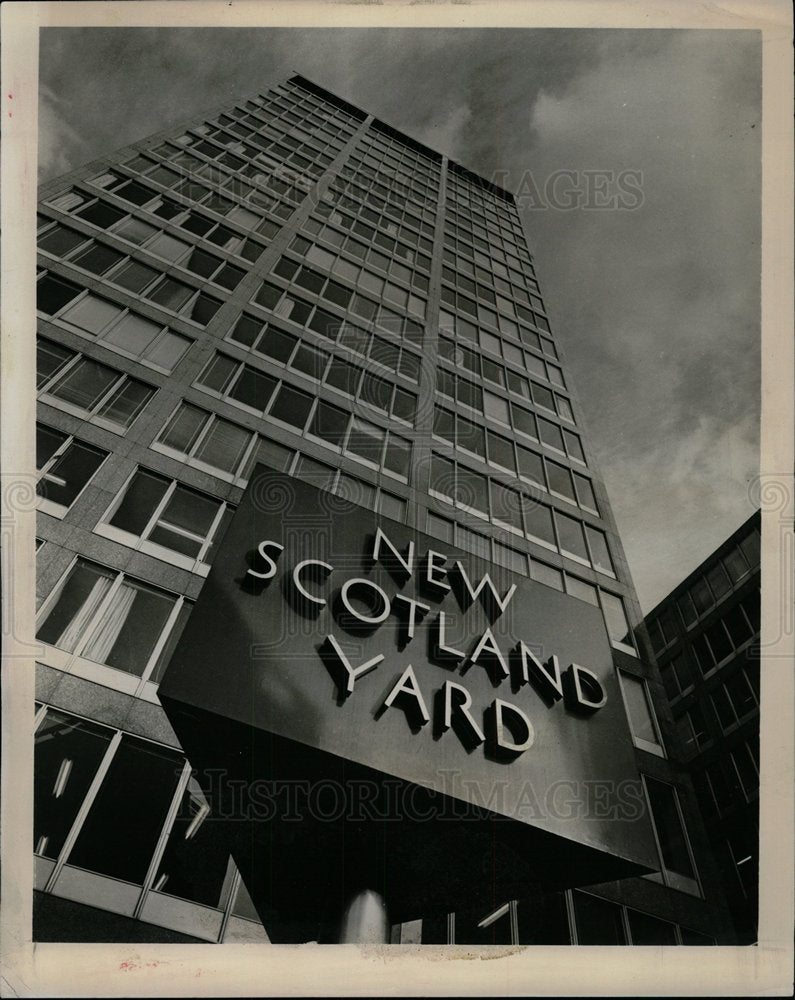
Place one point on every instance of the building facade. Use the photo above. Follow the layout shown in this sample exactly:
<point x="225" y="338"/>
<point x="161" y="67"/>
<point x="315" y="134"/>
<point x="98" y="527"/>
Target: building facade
<point x="706" y="637"/>
<point x="291" y="281"/>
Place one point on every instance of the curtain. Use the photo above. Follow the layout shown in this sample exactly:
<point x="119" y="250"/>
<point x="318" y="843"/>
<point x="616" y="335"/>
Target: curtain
<point x="98" y="648"/>
<point x="75" y="629"/>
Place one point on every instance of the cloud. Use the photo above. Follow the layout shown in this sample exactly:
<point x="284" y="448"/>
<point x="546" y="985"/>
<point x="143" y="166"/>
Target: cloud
<point x="60" y="144"/>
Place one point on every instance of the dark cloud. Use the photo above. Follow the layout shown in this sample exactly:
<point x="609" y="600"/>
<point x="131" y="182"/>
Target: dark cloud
<point x="657" y="307"/>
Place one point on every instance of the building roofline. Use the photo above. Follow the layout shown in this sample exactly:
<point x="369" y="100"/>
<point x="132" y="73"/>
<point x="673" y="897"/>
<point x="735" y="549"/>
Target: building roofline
<point x="464" y="172"/>
<point x="702" y="567"/>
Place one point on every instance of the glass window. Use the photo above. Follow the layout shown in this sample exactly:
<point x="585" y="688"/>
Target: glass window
<point x="598" y="921"/>
<point x="253" y="388"/>
<point x="600" y="554"/>
<point x="646" y="929"/>
<point x="616" y="618"/>
<point x="736" y="565"/>
<point x="65" y="465"/>
<point x="53" y="293"/>
<point x="60" y="240"/>
<point x="472" y="490"/>
<point x="292" y="406"/>
<point x="671" y="836"/>
<point x="98" y="258"/>
<point x="365" y="440"/>
<point x="68" y="752"/>
<point x="550" y="434"/>
<point x="135" y="231"/>
<point x="546" y="574"/>
<point x="105" y="619"/>
<point x="397" y="456"/>
<point x="50" y="359"/>
<point x="571" y="537"/>
<point x="92" y="314"/>
<point x="476" y="925"/>
<point x="719" y="581"/>
<point x="639" y="709"/>
<point x="560" y="480"/>
<point x="223" y="446"/>
<point x="135" y="276"/>
<point x="196" y="857"/>
<point x="329" y="423"/>
<point x="506" y="506"/>
<point x="122" y="827"/>
<point x="182" y="430"/>
<point x="524" y="421"/>
<point x="169" y="246"/>
<point x="167" y="513"/>
<point x="531" y="466"/>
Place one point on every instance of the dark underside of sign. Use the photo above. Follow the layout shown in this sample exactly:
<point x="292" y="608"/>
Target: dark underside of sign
<point x="308" y="830"/>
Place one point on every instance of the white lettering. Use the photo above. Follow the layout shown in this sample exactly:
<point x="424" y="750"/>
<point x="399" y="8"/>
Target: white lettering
<point x="488" y="644"/>
<point x="547" y="675"/>
<point x="300" y="587"/>
<point x="353" y="673"/>
<point x="413" y="605"/>
<point x="586" y="680"/>
<point x="433" y="568"/>
<point x="463" y="707"/>
<point x="503" y="740"/>
<point x="407" y="685"/>
<point x="486" y="582"/>
<point x="360" y="583"/>
<point x="439" y="648"/>
<point x="405" y="563"/>
<point x="262" y="551"/>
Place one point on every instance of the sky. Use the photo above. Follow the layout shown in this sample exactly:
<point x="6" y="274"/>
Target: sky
<point x="635" y="157"/>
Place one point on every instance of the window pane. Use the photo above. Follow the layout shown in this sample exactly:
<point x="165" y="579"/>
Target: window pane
<point x="133" y="333"/>
<point x="85" y="383"/>
<point x="68" y="752"/>
<point x="48" y="441"/>
<point x="397" y="457"/>
<point x="718" y="581"/>
<point x="598" y="921"/>
<point x="135" y="231"/>
<point x="81" y="595"/>
<point x="309" y="360"/>
<point x="670" y="833"/>
<point x="170" y="644"/>
<point x="50" y="359"/>
<point x="125" y="820"/>
<point x="646" y="929"/>
<point x="61" y="240"/>
<point x="735" y="564"/>
<point x="218" y="373"/>
<point x="506" y="506"/>
<point x="550" y="434"/>
<point x="292" y="406"/>
<point x="469" y="931"/>
<point x="329" y="423"/>
<point x="638" y="708"/>
<point x="129" y="628"/>
<point x="92" y="314"/>
<point x="253" y="388"/>
<point x="196" y="857"/>
<point x="585" y="493"/>
<point x="168" y="246"/>
<point x="70" y="472"/>
<point x="560" y="480"/>
<point x="126" y="403"/>
<point x="524" y="421"/>
<point x="98" y="259"/>
<point x="616" y="618"/>
<point x="472" y="490"/>
<point x="135" y="276"/>
<point x="376" y="390"/>
<point x="171" y="294"/>
<point x="600" y="554"/>
<point x="224" y="446"/>
<point x="53" y="293"/>
<point x="571" y="536"/>
<point x="183" y="428"/>
<point x="140" y="501"/>
<point x="365" y="440"/>
<point x="187" y="514"/>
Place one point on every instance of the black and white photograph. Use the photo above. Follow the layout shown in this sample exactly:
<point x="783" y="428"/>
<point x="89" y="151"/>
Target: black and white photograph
<point x="411" y="519"/>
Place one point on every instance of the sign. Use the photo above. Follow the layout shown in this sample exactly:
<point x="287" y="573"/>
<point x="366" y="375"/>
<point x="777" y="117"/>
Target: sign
<point x="388" y="712"/>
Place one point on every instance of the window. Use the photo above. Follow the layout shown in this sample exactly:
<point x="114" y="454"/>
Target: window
<point x="53" y="293"/>
<point x="108" y="618"/>
<point x="128" y="333"/>
<point x="51" y="358"/>
<point x="167" y="519"/>
<point x="68" y="752"/>
<point x="642" y="721"/>
<point x="598" y="921"/>
<point x="87" y="387"/>
<point x="616" y="620"/>
<point x="676" y="859"/>
<point x="206" y="439"/>
<point x="65" y="465"/>
<point x="123" y="824"/>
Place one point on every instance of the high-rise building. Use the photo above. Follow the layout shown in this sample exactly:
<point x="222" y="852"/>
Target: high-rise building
<point x="706" y="637"/>
<point x="293" y="282"/>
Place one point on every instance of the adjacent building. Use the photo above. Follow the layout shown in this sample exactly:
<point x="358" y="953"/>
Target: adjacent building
<point x="706" y="637"/>
<point x="292" y="281"/>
